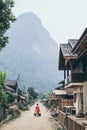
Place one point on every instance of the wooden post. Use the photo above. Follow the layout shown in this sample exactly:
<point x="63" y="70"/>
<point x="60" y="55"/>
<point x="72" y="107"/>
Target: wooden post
<point x="84" y="126"/>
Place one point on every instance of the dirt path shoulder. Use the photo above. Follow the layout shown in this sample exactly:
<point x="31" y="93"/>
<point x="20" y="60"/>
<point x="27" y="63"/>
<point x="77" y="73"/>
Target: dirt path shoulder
<point x="28" y="121"/>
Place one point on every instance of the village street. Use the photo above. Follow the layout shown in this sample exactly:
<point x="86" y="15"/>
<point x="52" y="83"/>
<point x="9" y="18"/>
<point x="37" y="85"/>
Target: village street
<point x="28" y="121"/>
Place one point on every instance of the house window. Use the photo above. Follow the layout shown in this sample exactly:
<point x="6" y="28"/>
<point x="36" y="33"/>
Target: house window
<point x="77" y="67"/>
<point x="80" y="68"/>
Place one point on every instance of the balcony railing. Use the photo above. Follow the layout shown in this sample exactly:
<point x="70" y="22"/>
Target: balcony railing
<point x="76" y="77"/>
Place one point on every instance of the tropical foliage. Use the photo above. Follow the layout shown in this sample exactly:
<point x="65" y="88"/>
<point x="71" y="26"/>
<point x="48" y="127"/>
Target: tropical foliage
<point x="3" y="95"/>
<point x="32" y="93"/>
<point x="2" y="77"/>
<point x="6" y="17"/>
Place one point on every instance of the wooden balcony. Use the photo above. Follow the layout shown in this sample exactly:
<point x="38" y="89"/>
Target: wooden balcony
<point x="76" y="77"/>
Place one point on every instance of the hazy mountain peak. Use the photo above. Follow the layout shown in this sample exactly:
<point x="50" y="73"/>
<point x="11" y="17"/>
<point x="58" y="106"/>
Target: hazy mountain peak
<point x="29" y="17"/>
<point x="32" y="53"/>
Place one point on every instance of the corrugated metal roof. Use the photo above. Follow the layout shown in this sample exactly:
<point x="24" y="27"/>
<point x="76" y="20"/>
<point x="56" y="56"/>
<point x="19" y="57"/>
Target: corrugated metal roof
<point x="60" y="92"/>
<point x="67" y="51"/>
<point x="21" y="97"/>
<point x="8" y="88"/>
<point x="72" y="42"/>
<point x="80" y="40"/>
<point x="10" y="82"/>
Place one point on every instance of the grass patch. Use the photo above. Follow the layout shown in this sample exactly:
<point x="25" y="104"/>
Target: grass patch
<point x="11" y="118"/>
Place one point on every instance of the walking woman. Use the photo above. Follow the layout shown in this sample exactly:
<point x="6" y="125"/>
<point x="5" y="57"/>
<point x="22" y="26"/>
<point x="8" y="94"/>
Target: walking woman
<point x="37" y="110"/>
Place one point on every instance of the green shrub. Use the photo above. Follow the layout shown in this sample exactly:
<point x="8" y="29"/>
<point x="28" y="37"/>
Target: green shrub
<point x="59" y="128"/>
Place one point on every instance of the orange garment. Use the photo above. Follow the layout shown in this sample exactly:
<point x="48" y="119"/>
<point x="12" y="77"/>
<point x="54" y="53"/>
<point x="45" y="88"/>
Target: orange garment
<point x="37" y="109"/>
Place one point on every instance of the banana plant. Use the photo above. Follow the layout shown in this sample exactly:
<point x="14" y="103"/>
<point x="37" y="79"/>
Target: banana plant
<point x="2" y="78"/>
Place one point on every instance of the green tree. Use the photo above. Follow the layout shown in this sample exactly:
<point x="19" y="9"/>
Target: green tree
<point x="6" y="17"/>
<point x="32" y="92"/>
<point x="11" y="98"/>
<point x="3" y="94"/>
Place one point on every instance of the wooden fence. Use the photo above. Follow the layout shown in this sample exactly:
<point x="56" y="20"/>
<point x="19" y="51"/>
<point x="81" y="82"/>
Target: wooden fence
<point x="62" y="118"/>
<point x="69" y="123"/>
<point x="72" y="125"/>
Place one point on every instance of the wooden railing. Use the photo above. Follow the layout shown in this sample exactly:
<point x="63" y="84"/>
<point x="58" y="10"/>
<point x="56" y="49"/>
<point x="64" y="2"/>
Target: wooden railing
<point x="62" y="118"/>
<point x="76" y="77"/>
<point x="72" y="125"/>
<point x="70" y="122"/>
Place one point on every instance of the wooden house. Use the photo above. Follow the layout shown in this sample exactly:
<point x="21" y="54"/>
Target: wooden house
<point x="63" y="98"/>
<point x="73" y="61"/>
<point x="52" y="100"/>
<point x="21" y="96"/>
<point x="11" y="86"/>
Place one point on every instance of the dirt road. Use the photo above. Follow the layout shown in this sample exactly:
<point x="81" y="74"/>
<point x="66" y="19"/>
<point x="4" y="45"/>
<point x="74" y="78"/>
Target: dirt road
<point x="28" y="121"/>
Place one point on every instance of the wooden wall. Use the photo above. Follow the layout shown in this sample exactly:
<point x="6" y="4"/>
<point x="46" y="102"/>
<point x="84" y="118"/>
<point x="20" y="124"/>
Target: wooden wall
<point x="66" y="102"/>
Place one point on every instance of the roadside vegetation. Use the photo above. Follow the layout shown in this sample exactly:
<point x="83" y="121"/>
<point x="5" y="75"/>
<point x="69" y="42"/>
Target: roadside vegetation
<point x="6" y="17"/>
<point x="33" y="95"/>
<point x="45" y="97"/>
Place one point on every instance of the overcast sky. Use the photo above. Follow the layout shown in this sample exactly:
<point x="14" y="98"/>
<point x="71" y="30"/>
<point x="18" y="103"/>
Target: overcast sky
<point x="64" y="19"/>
